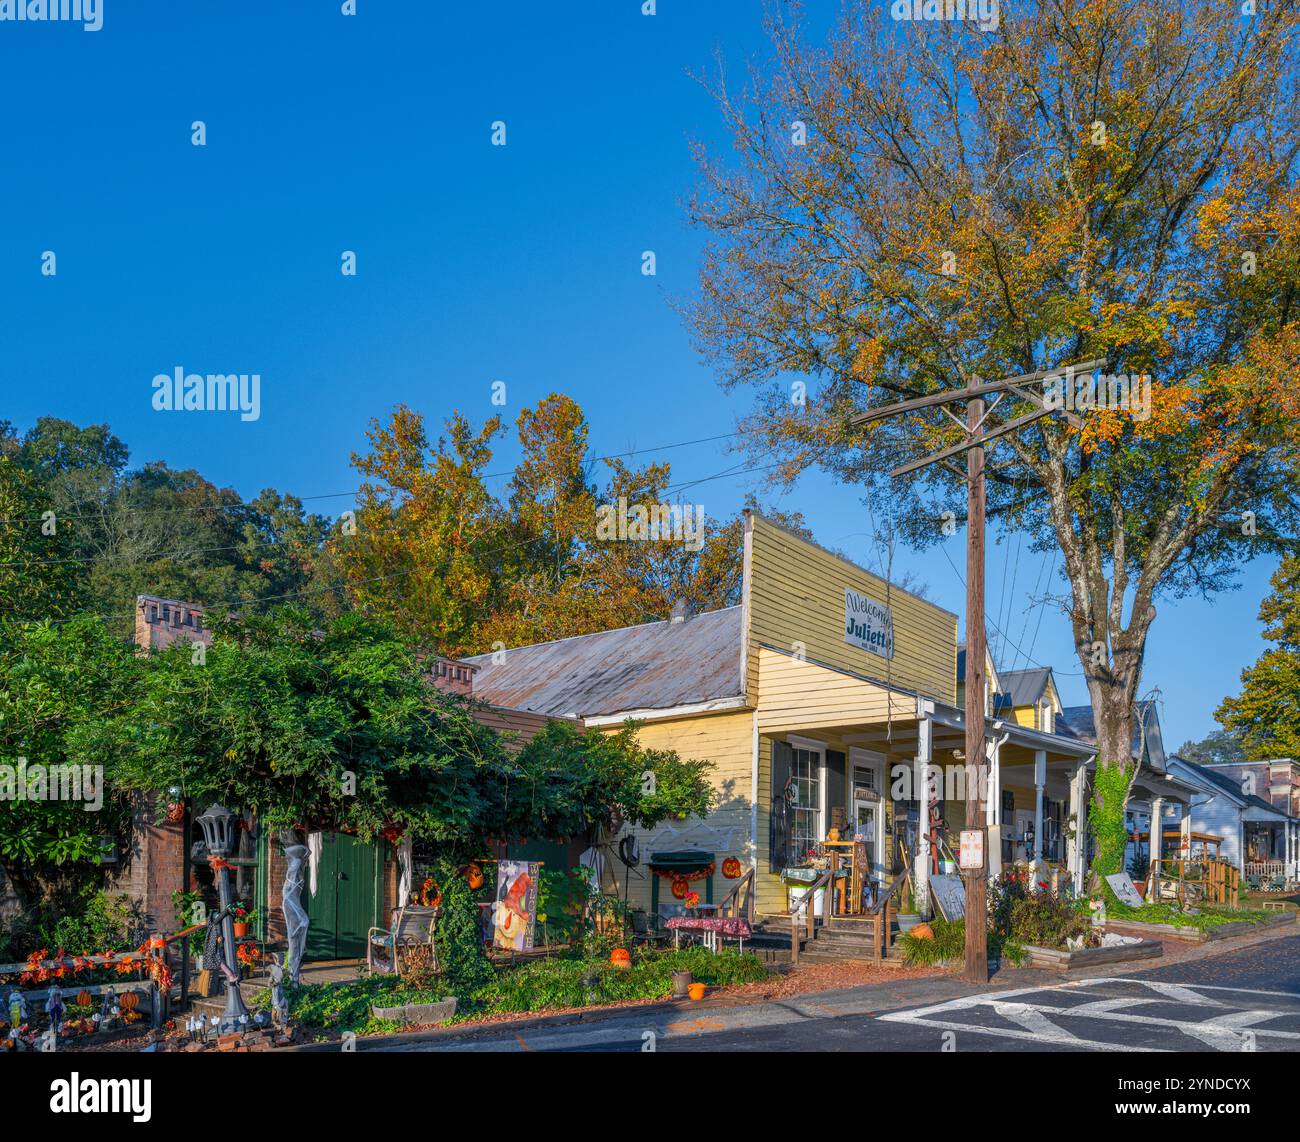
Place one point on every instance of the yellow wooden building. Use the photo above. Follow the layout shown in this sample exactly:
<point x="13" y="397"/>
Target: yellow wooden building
<point x="821" y="698"/>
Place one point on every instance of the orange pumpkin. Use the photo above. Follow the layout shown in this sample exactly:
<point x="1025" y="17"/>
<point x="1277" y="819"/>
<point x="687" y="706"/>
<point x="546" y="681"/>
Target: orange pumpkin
<point x="681" y="886"/>
<point x="130" y="1001"/>
<point x="731" y="868"/>
<point x="474" y="877"/>
<point x="84" y="998"/>
<point x="620" y="958"/>
<point x="923" y="932"/>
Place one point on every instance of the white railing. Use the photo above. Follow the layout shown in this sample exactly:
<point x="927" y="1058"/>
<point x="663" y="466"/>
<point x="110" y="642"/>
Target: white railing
<point x="1266" y="868"/>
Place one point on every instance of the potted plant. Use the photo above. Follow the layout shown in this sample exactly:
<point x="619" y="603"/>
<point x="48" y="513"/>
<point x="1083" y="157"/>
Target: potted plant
<point x="243" y="917"/>
<point x="908" y="916"/>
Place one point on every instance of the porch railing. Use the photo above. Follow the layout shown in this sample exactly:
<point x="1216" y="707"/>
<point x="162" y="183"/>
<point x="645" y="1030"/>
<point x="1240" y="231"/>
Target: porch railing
<point x="1196" y="880"/>
<point x="739" y="902"/>
<point x="806" y="911"/>
<point x="1266" y="869"/>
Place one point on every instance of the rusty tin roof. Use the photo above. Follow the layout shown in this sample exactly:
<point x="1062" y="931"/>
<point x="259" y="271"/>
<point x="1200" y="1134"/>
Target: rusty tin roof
<point x="654" y="666"/>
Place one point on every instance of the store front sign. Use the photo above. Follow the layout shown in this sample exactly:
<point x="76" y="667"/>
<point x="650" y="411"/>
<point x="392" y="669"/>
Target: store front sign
<point x="868" y="624"/>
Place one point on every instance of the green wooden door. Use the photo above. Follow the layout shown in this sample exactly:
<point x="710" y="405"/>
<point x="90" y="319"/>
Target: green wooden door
<point x="346" y="903"/>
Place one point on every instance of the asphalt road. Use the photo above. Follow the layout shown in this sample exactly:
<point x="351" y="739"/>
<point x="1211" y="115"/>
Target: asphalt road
<point x="1247" y="999"/>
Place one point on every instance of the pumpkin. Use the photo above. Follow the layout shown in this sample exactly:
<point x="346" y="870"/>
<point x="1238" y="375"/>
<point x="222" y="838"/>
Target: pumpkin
<point x="923" y="932"/>
<point x="84" y="998"/>
<point x="474" y="877"/>
<point x="620" y="958"/>
<point x="681" y="886"/>
<point x="130" y="1001"/>
<point x="731" y="868"/>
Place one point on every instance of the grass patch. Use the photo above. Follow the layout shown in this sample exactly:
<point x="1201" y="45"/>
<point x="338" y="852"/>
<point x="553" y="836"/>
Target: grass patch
<point x="548" y="984"/>
<point x="323" y="1010"/>
<point x="1209" y="915"/>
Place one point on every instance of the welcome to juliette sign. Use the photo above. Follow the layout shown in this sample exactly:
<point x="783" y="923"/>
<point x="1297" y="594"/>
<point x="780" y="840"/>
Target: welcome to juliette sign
<point x="868" y="624"/>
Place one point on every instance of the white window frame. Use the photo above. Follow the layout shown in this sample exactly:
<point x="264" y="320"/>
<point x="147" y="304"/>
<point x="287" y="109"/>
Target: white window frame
<point x="811" y="745"/>
<point x="877" y="762"/>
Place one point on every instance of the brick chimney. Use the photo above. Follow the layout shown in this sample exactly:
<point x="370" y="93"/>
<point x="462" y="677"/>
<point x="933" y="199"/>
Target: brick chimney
<point x="454" y="676"/>
<point x="681" y="612"/>
<point x="161" y="622"/>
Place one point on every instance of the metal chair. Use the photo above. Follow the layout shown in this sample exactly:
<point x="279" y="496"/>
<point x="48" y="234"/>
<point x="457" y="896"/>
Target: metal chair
<point x="414" y="926"/>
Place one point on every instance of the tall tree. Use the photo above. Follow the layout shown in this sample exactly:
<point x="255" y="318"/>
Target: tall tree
<point x="920" y="205"/>
<point x="1265" y="716"/>
<point x="429" y="534"/>
<point x="60" y="683"/>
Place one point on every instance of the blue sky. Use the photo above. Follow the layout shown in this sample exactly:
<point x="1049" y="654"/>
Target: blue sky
<point x="476" y="263"/>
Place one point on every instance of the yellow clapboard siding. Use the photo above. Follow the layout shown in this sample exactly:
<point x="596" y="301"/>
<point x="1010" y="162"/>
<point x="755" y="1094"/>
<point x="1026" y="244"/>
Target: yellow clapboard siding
<point x="802" y="697"/>
<point x="726" y="740"/>
<point x="795" y="600"/>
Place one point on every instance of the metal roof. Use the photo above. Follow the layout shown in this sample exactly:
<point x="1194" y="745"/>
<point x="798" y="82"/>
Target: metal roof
<point x="1022" y="687"/>
<point x="654" y="666"/>
<point x="1077" y="722"/>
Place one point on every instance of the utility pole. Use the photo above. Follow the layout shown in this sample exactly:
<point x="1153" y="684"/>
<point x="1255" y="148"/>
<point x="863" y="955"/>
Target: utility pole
<point x="977" y="952"/>
<point x="976" y="759"/>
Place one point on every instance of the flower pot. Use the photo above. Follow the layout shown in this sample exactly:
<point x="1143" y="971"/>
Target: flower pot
<point x="908" y="920"/>
<point x="681" y="984"/>
<point x="241" y="929"/>
<point x="696" y="991"/>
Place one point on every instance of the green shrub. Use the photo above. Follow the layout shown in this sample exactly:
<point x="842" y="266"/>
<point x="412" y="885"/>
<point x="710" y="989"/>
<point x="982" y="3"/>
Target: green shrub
<point x="460" y="944"/>
<point x="1044" y="921"/>
<point x="948" y="943"/>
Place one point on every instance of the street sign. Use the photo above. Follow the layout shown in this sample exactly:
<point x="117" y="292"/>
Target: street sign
<point x="971" y="854"/>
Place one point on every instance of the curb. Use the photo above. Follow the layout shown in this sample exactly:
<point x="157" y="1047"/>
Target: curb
<point x="471" y="1030"/>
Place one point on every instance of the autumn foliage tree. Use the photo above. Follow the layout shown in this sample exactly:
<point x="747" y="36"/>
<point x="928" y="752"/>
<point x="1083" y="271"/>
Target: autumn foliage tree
<point x="462" y="568"/>
<point x="913" y="207"/>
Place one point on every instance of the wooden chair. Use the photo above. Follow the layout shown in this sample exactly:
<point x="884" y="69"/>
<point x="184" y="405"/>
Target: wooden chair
<point x="414" y="926"/>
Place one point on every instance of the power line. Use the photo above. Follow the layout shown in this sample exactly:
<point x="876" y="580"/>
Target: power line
<point x="1063" y="673"/>
<point x="242" y="506"/>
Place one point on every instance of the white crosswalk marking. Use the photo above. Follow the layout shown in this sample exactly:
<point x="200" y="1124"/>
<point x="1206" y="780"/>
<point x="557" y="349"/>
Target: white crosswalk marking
<point x="1032" y="1019"/>
<point x="1029" y="1013"/>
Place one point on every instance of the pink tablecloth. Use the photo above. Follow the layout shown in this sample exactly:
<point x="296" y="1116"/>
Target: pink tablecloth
<point x="732" y="926"/>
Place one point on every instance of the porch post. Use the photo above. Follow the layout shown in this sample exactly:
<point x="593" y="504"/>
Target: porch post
<point x="993" y="809"/>
<point x="921" y="860"/>
<point x="1040" y="779"/>
<point x="1156" y="832"/>
<point x="1079" y="809"/>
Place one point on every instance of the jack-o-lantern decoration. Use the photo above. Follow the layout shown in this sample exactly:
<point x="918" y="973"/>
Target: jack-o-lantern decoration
<point x="474" y="877"/>
<point x="731" y="868"/>
<point x="84" y="998"/>
<point x="620" y="958"/>
<point x="681" y="886"/>
<point x="130" y="1001"/>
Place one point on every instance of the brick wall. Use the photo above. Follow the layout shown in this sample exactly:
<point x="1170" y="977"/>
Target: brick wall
<point x="153" y="867"/>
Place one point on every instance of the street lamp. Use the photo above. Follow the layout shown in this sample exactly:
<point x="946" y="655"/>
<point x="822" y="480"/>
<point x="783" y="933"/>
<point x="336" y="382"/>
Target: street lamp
<point x="218" y="825"/>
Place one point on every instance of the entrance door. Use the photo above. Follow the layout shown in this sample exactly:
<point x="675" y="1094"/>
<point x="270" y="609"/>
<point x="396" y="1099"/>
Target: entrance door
<point x="346" y="903"/>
